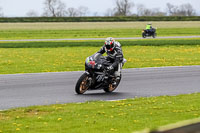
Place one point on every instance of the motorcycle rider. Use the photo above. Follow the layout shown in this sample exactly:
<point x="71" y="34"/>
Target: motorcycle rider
<point x="114" y="55"/>
<point x="149" y="27"/>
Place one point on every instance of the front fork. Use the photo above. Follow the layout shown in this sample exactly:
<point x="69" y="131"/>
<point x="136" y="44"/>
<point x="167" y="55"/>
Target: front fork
<point x="89" y="78"/>
<point x="120" y="65"/>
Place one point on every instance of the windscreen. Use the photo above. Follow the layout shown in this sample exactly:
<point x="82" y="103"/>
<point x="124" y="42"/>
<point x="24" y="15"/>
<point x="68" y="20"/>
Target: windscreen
<point x="96" y="56"/>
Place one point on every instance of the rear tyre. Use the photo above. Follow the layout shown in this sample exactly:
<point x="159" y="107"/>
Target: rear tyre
<point x="154" y="35"/>
<point x="82" y="84"/>
<point x="111" y="87"/>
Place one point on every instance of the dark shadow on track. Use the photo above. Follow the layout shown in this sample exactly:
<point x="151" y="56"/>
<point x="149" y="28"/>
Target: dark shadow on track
<point x="103" y="94"/>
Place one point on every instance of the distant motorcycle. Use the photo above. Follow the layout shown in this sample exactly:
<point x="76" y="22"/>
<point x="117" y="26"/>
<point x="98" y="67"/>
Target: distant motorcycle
<point x="149" y="33"/>
<point x="96" y="76"/>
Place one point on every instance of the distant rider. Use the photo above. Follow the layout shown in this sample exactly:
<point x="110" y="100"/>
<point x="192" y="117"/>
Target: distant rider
<point x="149" y="27"/>
<point x="114" y="55"/>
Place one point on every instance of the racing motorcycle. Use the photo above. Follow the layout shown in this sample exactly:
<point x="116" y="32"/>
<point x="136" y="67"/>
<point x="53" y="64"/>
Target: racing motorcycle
<point x="149" y="33"/>
<point x="96" y="76"/>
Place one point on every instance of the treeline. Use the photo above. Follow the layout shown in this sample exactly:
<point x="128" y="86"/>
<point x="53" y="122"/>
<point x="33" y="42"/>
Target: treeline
<point x="58" y="8"/>
<point x="100" y="19"/>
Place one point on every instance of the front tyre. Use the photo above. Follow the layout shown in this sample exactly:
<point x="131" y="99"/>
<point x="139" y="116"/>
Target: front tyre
<point x="112" y="86"/>
<point x="82" y="84"/>
<point x="144" y="35"/>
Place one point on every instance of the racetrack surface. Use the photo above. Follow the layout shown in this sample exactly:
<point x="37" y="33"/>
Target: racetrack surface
<point x="81" y="39"/>
<point x="19" y="90"/>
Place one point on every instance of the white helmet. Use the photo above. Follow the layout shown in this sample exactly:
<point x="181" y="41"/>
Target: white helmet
<point x="110" y="43"/>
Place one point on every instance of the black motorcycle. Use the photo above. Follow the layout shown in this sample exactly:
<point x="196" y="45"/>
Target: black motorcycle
<point x="149" y="33"/>
<point x="96" y="76"/>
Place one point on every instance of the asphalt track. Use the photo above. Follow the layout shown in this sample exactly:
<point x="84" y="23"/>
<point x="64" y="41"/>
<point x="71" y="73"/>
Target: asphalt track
<point x="19" y="90"/>
<point x="81" y="39"/>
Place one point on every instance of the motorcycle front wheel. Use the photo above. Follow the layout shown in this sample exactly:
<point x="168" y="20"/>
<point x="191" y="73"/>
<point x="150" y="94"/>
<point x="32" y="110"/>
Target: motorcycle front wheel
<point x="144" y="35"/>
<point x="82" y="84"/>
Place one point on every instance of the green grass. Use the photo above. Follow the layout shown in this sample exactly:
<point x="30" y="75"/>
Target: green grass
<point x="91" y="33"/>
<point x="33" y="57"/>
<point x="99" y="43"/>
<point x="123" y="116"/>
<point x="93" y="29"/>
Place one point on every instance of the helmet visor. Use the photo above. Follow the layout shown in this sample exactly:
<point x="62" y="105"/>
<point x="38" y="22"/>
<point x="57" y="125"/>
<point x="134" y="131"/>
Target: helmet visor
<point x="108" y="46"/>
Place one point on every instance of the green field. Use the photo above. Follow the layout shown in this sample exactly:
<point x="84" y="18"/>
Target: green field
<point x="59" y="34"/>
<point x="123" y="116"/>
<point x="11" y="31"/>
<point x="32" y="57"/>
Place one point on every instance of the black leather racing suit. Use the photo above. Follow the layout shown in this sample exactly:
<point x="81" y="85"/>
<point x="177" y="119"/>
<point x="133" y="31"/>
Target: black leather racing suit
<point x="115" y="56"/>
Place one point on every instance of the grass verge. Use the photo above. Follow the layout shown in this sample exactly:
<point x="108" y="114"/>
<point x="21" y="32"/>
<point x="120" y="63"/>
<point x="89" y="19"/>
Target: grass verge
<point x="98" y="43"/>
<point x="91" y="33"/>
<point x="117" y="116"/>
<point x="32" y="57"/>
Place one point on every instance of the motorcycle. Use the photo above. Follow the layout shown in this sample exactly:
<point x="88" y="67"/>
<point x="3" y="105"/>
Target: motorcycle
<point x="96" y="75"/>
<point x="149" y="33"/>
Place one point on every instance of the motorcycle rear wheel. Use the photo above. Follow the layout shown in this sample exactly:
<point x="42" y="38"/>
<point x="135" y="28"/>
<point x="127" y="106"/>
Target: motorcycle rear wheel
<point x="154" y="35"/>
<point x="82" y="84"/>
<point x="112" y="87"/>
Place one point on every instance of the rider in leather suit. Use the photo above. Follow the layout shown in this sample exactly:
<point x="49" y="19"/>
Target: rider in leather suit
<point x="114" y="55"/>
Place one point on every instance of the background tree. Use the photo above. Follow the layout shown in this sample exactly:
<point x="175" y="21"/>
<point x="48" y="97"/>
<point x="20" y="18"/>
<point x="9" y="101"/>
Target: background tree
<point x="123" y="7"/>
<point x="187" y="10"/>
<point x="109" y="12"/>
<point x="172" y="9"/>
<point x="143" y="11"/>
<point x="32" y="13"/>
<point x="95" y="14"/>
<point x="1" y="12"/>
<point x="72" y="12"/>
<point x="140" y="10"/>
<point x="54" y="8"/>
<point x="83" y="11"/>
<point x="182" y="10"/>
